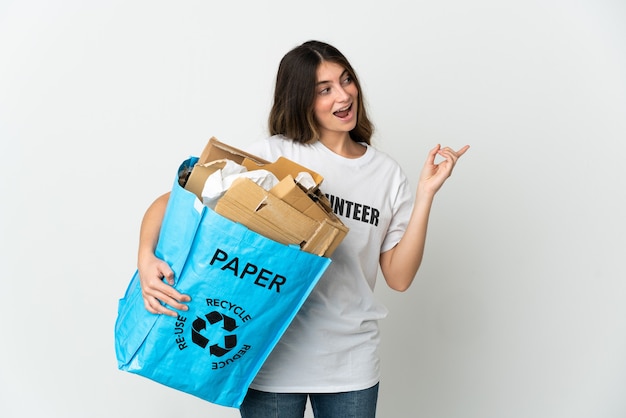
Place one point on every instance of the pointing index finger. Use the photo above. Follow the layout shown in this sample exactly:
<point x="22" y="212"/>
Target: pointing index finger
<point x="462" y="150"/>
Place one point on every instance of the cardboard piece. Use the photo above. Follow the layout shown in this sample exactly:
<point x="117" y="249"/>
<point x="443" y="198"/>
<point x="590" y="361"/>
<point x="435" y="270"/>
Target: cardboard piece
<point x="274" y="218"/>
<point x="282" y="167"/>
<point x="199" y="175"/>
<point x="287" y="213"/>
<point x="216" y="150"/>
<point x="307" y="203"/>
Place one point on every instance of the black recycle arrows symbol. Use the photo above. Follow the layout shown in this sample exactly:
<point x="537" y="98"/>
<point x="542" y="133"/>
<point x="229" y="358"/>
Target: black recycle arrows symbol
<point x="214" y="318"/>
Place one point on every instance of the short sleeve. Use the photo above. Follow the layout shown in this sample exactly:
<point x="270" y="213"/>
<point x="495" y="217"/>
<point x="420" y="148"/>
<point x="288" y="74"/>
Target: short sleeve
<point x="402" y="208"/>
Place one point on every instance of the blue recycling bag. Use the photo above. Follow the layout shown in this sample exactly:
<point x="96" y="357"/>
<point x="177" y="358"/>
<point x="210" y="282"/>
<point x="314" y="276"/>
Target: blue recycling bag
<point x="245" y="291"/>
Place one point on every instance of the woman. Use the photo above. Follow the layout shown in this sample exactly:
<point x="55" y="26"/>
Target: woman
<point x="329" y="352"/>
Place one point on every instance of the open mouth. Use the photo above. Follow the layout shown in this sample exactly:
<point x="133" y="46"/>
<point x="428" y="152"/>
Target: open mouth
<point x="342" y="113"/>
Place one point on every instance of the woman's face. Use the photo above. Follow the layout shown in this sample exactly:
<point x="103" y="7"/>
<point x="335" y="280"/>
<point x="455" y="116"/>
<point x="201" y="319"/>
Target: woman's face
<point x="336" y="100"/>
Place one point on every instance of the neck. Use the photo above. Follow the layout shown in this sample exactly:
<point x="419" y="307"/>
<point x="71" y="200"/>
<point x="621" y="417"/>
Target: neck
<point x="343" y="145"/>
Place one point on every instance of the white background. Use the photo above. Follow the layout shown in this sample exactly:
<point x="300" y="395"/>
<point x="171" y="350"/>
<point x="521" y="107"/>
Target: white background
<point x="519" y="309"/>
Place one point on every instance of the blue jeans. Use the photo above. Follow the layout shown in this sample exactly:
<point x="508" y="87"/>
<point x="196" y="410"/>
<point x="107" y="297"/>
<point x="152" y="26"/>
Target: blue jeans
<point x="356" y="404"/>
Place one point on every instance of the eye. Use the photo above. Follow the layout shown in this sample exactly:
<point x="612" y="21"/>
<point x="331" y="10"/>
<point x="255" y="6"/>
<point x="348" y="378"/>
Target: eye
<point x="325" y="90"/>
<point x="347" y="80"/>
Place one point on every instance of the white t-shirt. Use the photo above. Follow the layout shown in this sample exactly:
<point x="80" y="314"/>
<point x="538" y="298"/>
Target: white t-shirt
<point x="332" y="343"/>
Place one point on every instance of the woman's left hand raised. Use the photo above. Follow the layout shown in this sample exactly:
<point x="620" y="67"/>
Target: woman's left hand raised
<point x="434" y="175"/>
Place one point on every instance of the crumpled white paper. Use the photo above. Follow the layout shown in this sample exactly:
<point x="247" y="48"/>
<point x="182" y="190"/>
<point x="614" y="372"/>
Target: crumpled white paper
<point x="305" y="179"/>
<point x="217" y="183"/>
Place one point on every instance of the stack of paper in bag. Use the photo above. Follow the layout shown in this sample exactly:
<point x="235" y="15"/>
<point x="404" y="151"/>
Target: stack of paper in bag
<point x="288" y="211"/>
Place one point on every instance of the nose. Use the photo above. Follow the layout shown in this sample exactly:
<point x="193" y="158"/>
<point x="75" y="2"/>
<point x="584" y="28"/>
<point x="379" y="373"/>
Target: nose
<point x="342" y="94"/>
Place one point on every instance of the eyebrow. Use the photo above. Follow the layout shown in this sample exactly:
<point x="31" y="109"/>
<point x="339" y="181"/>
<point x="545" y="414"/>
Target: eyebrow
<point x="328" y="81"/>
